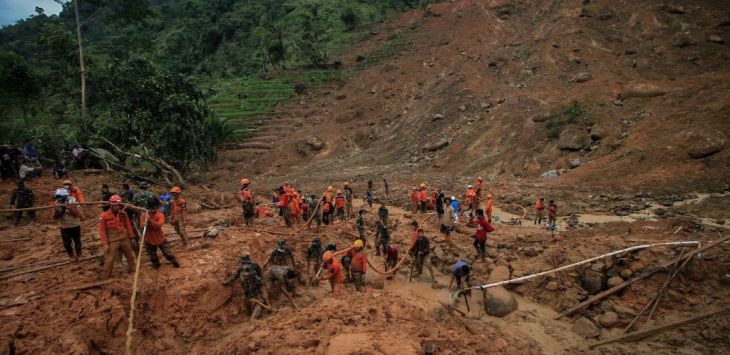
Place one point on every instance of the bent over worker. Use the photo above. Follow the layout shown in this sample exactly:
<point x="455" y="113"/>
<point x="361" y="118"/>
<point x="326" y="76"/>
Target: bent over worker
<point x="254" y="289"/>
<point x="335" y="274"/>
<point x="116" y="232"/>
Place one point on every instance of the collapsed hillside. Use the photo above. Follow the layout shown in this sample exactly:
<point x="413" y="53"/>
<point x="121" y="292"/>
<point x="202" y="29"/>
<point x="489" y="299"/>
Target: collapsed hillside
<point x="620" y="96"/>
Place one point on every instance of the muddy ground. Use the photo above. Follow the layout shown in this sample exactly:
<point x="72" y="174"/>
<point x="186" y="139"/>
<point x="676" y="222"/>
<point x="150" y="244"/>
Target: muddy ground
<point x="188" y="310"/>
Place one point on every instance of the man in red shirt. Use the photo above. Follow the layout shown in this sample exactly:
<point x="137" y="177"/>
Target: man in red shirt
<point x="115" y="231"/>
<point x="480" y="238"/>
<point x="422" y="198"/>
<point x="179" y="217"/>
<point x="334" y="272"/>
<point x="155" y="238"/>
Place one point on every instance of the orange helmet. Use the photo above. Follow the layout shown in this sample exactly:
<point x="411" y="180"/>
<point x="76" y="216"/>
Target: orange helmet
<point x="327" y="255"/>
<point x="175" y="190"/>
<point x="67" y="182"/>
<point x="329" y="188"/>
<point x="244" y="181"/>
<point x="115" y="200"/>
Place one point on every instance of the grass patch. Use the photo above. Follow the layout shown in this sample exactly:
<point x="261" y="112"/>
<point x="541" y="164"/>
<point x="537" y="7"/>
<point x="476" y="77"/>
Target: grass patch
<point x="567" y="115"/>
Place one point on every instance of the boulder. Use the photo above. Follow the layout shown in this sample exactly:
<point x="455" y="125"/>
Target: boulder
<point x="582" y="77"/>
<point x="715" y="39"/>
<point x="597" y="132"/>
<point x="637" y="266"/>
<point x="552" y="286"/>
<point x="641" y="90"/>
<point x="492" y="253"/>
<point x="549" y="174"/>
<point x="626" y="273"/>
<point x="585" y="328"/>
<point x="439" y="253"/>
<point x="701" y="144"/>
<point x="627" y="311"/>
<point x="314" y="142"/>
<point x="500" y="302"/>
<point x="462" y="108"/>
<point x="541" y="117"/>
<point x="592" y="281"/>
<point x="614" y="281"/>
<point x="598" y="266"/>
<point x="574" y="139"/>
<point x="608" y="319"/>
<point x="438" y="116"/>
<point x="573" y="163"/>
<point x="500" y="273"/>
<point x="682" y="40"/>
<point x="432" y="147"/>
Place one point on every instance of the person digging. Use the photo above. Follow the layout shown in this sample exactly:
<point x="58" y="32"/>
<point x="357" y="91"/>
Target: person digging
<point x="255" y="295"/>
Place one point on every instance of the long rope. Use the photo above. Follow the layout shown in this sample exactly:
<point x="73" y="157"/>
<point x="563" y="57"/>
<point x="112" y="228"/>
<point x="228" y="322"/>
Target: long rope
<point x="524" y="278"/>
<point x="132" y="301"/>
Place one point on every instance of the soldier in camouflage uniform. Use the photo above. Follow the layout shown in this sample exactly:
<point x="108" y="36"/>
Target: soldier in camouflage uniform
<point x="314" y="252"/>
<point x="141" y="199"/>
<point x="361" y="225"/>
<point x="253" y="286"/>
<point x="22" y="197"/>
<point x="383" y="236"/>
<point x="315" y="207"/>
<point x="281" y="255"/>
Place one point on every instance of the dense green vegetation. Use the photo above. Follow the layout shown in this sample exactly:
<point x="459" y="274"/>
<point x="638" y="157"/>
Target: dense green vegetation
<point x="145" y="61"/>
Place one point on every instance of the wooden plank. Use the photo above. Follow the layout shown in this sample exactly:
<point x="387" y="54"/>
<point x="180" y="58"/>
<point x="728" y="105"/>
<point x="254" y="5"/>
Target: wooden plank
<point x="656" y="330"/>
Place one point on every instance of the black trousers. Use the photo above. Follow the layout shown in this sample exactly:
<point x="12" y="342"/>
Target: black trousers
<point x="480" y="246"/>
<point x="19" y="214"/>
<point x="72" y="236"/>
<point x="165" y="249"/>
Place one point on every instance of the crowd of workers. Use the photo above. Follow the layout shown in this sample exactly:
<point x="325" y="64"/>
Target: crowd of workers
<point x="120" y="226"/>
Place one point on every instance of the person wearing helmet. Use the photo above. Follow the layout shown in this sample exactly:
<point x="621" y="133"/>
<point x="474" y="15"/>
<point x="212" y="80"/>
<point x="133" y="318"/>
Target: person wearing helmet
<point x="335" y="274"/>
<point x="327" y="211"/>
<point x="383" y="234"/>
<point x="254" y="288"/>
<point x="539" y="206"/>
<point x="447" y="222"/>
<point x="68" y="214"/>
<point x="329" y="194"/>
<point x="281" y="255"/>
<point x="361" y="224"/>
<point x="358" y="264"/>
<point x="422" y="252"/>
<point x="115" y="232"/>
<point x="179" y="215"/>
<point x="248" y="204"/>
<point x="340" y="204"/>
<point x="347" y="191"/>
<point x="284" y="204"/>
<point x="314" y="252"/>
<point x="74" y="191"/>
<point x="414" y="200"/>
<point x="22" y="197"/>
<point x="471" y="196"/>
<point x="155" y="238"/>
<point x="489" y="207"/>
<point x="331" y="246"/>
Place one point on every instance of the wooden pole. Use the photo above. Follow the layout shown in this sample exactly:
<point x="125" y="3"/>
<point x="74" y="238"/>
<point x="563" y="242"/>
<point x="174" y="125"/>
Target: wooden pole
<point x="648" y="332"/>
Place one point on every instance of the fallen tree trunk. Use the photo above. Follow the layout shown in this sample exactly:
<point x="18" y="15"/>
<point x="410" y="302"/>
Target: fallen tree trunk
<point x="648" y="332"/>
<point x="159" y="163"/>
<point x="41" y="268"/>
